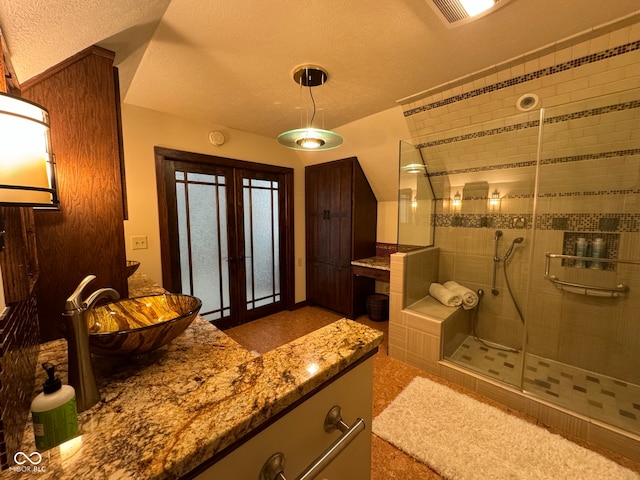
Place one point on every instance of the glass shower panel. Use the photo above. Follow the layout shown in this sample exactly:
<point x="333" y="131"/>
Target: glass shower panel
<point x="583" y="334"/>
<point x="416" y="200"/>
<point x="262" y="257"/>
<point x="202" y="235"/>
<point x="484" y="181"/>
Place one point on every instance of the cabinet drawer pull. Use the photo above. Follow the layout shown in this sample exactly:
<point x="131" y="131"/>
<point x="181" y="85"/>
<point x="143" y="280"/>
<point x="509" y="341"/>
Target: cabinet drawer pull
<point x="273" y="469"/>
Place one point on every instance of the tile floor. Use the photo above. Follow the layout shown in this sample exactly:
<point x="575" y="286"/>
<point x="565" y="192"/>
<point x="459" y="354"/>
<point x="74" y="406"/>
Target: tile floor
<point x="600" y="397"/>
<point x="390" y="377"/>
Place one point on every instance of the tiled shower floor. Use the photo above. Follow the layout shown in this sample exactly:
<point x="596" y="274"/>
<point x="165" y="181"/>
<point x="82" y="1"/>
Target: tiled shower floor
<point x="597" y="396"/>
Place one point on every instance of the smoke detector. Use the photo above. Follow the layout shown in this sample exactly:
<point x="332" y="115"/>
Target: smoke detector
<point x="460" y="12"/>
<point x="216" y="138"/>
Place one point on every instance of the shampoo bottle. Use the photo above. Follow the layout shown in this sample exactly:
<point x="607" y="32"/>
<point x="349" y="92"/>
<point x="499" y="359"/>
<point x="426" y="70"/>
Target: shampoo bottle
<point x="581" y="251"/>
<point x="597" y="251"/>
<point x="55" y="418"/>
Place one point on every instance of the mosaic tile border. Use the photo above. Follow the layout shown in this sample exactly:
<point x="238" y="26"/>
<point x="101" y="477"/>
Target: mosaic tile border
<point x="548" y="161"/>
<point x="480" y="134"/>
<point x="501" y="221"/>
<point x="19" y="347"/>
<point x="544" y="72"/>
<point x="577" y="222"/>
<point x="385" y="249"/>
<point x="590" y="222"/>
<point x="566" y="117"/>
<point x="592" y="112"/>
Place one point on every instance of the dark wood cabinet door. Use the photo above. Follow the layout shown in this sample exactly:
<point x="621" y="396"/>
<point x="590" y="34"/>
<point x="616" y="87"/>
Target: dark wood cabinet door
<point x="328" y="193"/>
<point x="331" y="287"/>
<point x="341" y="220"/>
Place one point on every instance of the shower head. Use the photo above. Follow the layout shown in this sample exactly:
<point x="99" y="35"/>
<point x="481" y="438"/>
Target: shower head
<point x="513" y="244"/>
<point x="498" y="235"/>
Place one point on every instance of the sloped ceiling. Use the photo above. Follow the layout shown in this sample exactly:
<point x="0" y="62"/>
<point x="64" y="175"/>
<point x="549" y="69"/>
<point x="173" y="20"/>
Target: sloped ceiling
<point x="230" y="62"/>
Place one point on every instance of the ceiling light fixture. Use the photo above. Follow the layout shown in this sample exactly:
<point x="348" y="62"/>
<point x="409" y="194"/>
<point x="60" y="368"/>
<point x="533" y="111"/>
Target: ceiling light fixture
<point x="476" y="7"/>
<point x="310" y="138"/>
<point x="459" y="12"/>
<point x="413" y="168"/>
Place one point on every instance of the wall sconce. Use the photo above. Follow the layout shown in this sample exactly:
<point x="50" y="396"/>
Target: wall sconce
<point x="27" y="165"/>
<point x="494" y="200"/>
<point x="456" y="203"/>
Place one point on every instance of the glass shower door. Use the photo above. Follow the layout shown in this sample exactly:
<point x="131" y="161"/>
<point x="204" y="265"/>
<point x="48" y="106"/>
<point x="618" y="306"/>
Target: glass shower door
<point x="583" y="335"/>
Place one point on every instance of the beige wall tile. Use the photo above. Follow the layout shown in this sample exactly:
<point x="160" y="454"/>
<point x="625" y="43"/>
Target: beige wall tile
<point x="615" y="441"/>
<point x="592" y="333"/>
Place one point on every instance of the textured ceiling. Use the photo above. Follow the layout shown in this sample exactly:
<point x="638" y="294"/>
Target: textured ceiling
<point x="229" y="62"/>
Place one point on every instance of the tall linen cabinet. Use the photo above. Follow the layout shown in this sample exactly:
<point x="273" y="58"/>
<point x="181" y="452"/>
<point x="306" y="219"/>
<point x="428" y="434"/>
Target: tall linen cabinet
<point x="341" y="215"/>
<point x="86" y="236"/>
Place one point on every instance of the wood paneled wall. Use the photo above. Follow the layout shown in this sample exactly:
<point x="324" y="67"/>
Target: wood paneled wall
<point x="86" y="236"/>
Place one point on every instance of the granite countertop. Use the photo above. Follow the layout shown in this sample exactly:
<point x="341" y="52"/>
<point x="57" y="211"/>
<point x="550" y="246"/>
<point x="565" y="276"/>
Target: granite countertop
<point x="163" y="414"/>
<point x="379" y="263"/>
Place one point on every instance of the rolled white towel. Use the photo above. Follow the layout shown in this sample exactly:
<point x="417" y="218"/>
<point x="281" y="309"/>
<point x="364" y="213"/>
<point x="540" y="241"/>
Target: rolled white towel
<point x="469" y="297"/>
<point x="444" y="295"/>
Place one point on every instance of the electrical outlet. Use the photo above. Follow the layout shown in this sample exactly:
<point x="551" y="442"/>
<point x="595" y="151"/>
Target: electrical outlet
<point x="139" y="242"/>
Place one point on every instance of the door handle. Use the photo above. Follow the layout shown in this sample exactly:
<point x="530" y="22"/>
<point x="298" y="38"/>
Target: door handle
<point x="273" y="469"/>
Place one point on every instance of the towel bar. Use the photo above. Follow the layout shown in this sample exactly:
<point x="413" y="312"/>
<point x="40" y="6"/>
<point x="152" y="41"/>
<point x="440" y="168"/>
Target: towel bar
<point x="273" y="469"/>
<point x="590" y="290"/>
<point x="581" y="289"/>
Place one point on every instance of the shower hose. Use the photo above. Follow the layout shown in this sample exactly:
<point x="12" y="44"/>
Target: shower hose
<point x="477" y="309"/>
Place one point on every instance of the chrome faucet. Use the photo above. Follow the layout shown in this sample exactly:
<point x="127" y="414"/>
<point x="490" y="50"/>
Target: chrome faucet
<point x="81" y="376"/>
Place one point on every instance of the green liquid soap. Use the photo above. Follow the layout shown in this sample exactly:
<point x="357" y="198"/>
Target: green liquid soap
<point x="54" y="412"/>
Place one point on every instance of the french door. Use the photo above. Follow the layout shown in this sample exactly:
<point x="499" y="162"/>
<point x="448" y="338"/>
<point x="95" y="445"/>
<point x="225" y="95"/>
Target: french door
<point x="228" y="235"/>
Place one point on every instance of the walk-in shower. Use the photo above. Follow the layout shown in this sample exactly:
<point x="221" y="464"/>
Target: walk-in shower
<point x="560" y="322"/>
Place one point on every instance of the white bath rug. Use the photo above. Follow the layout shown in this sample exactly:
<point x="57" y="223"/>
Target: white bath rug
<point x="463" y="439"/>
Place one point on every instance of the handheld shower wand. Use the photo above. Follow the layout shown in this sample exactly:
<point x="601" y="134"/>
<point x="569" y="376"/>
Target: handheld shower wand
<point x="496" y="261"/>
<point x="513" y="244"/>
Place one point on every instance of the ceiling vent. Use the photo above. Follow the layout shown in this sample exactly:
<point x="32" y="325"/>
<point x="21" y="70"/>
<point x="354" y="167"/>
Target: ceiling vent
<point x="459" y="12"/>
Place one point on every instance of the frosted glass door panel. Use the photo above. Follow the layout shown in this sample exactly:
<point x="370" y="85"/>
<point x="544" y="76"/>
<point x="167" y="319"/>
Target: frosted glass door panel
<point x="262" y="257"/>
<point x="202" y="233"/>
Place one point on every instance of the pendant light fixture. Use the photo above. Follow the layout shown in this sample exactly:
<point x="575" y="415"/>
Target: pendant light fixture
<point x="310" y="138"/>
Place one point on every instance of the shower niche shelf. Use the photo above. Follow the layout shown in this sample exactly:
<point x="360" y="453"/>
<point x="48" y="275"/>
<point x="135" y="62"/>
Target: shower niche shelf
<point x="610" y="251"/>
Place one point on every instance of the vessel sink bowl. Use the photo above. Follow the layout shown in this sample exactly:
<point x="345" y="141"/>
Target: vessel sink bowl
<point x="134" y="326"/>
<point x="132" y="266"/>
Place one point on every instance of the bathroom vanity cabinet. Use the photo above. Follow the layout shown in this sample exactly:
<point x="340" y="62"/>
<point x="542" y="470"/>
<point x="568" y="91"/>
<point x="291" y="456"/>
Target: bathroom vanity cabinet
<point x="205" y="407"/>
<point x="301" y="438"/>
<point x="341" y="215"/>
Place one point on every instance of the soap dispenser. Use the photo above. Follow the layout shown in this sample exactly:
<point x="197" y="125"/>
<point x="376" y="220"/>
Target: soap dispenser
<point x="55" y="418"/>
